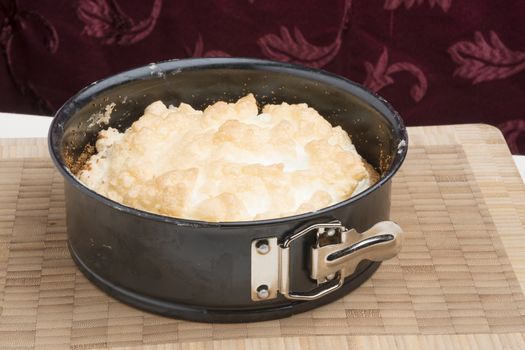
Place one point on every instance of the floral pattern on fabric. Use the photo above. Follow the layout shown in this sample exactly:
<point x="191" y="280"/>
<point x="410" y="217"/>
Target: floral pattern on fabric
<point x="394" y="4"/>
<point x="15" y="21"/>
<point x="198" y="51"/>
<point x="481" y="61"/>
<point x="435" y="61"/>
<point x="297" y="49"/>
<point x="105" y="21"/>
<point x="380" y="75"/>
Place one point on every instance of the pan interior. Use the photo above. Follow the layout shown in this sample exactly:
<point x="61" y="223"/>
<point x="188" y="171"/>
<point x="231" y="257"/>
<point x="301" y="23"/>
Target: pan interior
<point x="373" y="127"/>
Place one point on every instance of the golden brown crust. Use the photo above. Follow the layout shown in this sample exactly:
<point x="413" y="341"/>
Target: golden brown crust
<point x="227" y="163"/>
<point x="78" y="164"/>
<point x="372" y="173"/>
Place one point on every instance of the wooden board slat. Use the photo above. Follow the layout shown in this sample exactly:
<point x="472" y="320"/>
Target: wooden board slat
<point x="456" y="284"/>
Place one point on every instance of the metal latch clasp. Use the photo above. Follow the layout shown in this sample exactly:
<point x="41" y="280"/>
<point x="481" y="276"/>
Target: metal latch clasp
<point x="335" y="255"/>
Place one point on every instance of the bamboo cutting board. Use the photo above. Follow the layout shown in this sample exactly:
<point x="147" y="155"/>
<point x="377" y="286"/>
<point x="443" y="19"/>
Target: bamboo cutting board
<point x="457" y="282"/>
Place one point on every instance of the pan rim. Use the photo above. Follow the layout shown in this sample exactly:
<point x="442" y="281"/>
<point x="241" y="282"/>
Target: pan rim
<point x="63" y="114"/>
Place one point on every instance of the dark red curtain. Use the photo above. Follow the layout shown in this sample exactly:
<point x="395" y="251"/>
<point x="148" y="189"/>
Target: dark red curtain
<point x="436" y="61"/>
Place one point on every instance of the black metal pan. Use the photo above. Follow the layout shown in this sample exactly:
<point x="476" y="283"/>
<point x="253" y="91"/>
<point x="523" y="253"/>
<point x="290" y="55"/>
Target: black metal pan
<point x="231" y="271"/>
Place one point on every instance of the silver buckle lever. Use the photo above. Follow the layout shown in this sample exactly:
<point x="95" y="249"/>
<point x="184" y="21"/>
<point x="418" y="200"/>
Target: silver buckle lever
<point x="336" y="255"/>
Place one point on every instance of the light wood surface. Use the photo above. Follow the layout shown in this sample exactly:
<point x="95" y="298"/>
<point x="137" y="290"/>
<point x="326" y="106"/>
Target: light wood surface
<point x="457" y="283"/>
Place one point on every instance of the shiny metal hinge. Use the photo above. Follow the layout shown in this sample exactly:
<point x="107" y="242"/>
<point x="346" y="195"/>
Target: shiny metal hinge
<point x="335" y="255"/>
